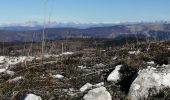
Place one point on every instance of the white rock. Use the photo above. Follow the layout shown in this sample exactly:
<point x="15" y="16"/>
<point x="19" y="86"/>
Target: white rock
<point x="114" y="58"/>
<point x="6" y="61"/>
<point x="98" y="94"/>
<point x="32" y="97"/>
<point x="114" y="75"/>
<point x="147" y="79"/>
<point x="3" y="70"/>
<point x="166" y="80"/>
<point x="58" y="76"/>
<point x="63" y="54"/>
<point x="82" y="67"/>
<point x="100" y="65"/>
<point x="99" y="84"/>
<point x="86" y="87"/>
<point x="38" y="58"/>
<point x="151" y="63"/>
<point x="2" y="59"/>
<point x="136" y="86"/>
<point x="47" y="55"/>
<point x="163" y="66"/>
<point x="15" y="79"/>
<point x="16" y="60"/>
<point x="10" y="72"/>
<point x="30" y="58"/>
<point x="67" y="53"/>
<point x="134" y="52"/>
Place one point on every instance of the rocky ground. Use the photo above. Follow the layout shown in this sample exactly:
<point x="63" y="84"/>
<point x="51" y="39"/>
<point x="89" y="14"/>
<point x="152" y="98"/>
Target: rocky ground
<point x="132" y="72"/>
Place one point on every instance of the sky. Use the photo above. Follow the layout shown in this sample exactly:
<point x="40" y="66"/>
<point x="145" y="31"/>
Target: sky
<point x="84" y="11"/>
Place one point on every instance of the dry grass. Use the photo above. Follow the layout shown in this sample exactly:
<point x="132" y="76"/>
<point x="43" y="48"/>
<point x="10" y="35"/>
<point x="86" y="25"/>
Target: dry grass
<point x="38" y="80"/>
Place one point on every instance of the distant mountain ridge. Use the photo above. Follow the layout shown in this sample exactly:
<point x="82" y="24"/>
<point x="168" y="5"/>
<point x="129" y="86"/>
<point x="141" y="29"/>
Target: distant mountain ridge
<point x="153" y="30"/>
<point x="39" y="25"/>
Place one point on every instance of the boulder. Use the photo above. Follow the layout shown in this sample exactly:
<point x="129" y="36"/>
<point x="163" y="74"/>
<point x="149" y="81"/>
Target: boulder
<point x="98" y="94"/>
<point x="114" y="75"/>
<point x="149" y="82"/>
<point x="32" y="97"/>
<point x="86" y="87"/>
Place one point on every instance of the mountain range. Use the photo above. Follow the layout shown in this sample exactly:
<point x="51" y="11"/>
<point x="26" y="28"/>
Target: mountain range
<point x="33" y="25"/>
<point x="33" y="31"/>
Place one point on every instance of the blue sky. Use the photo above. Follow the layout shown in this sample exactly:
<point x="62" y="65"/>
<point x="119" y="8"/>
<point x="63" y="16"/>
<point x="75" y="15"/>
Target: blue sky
<point x="16" y="11"/>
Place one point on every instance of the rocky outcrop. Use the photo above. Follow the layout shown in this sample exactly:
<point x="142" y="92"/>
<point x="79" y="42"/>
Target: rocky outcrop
<point x="149" y="82"/>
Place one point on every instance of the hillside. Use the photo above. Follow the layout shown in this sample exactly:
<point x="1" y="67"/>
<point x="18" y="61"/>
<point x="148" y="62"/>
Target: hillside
<point x="84" y="68"/>
<point x="160" y="31"/>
